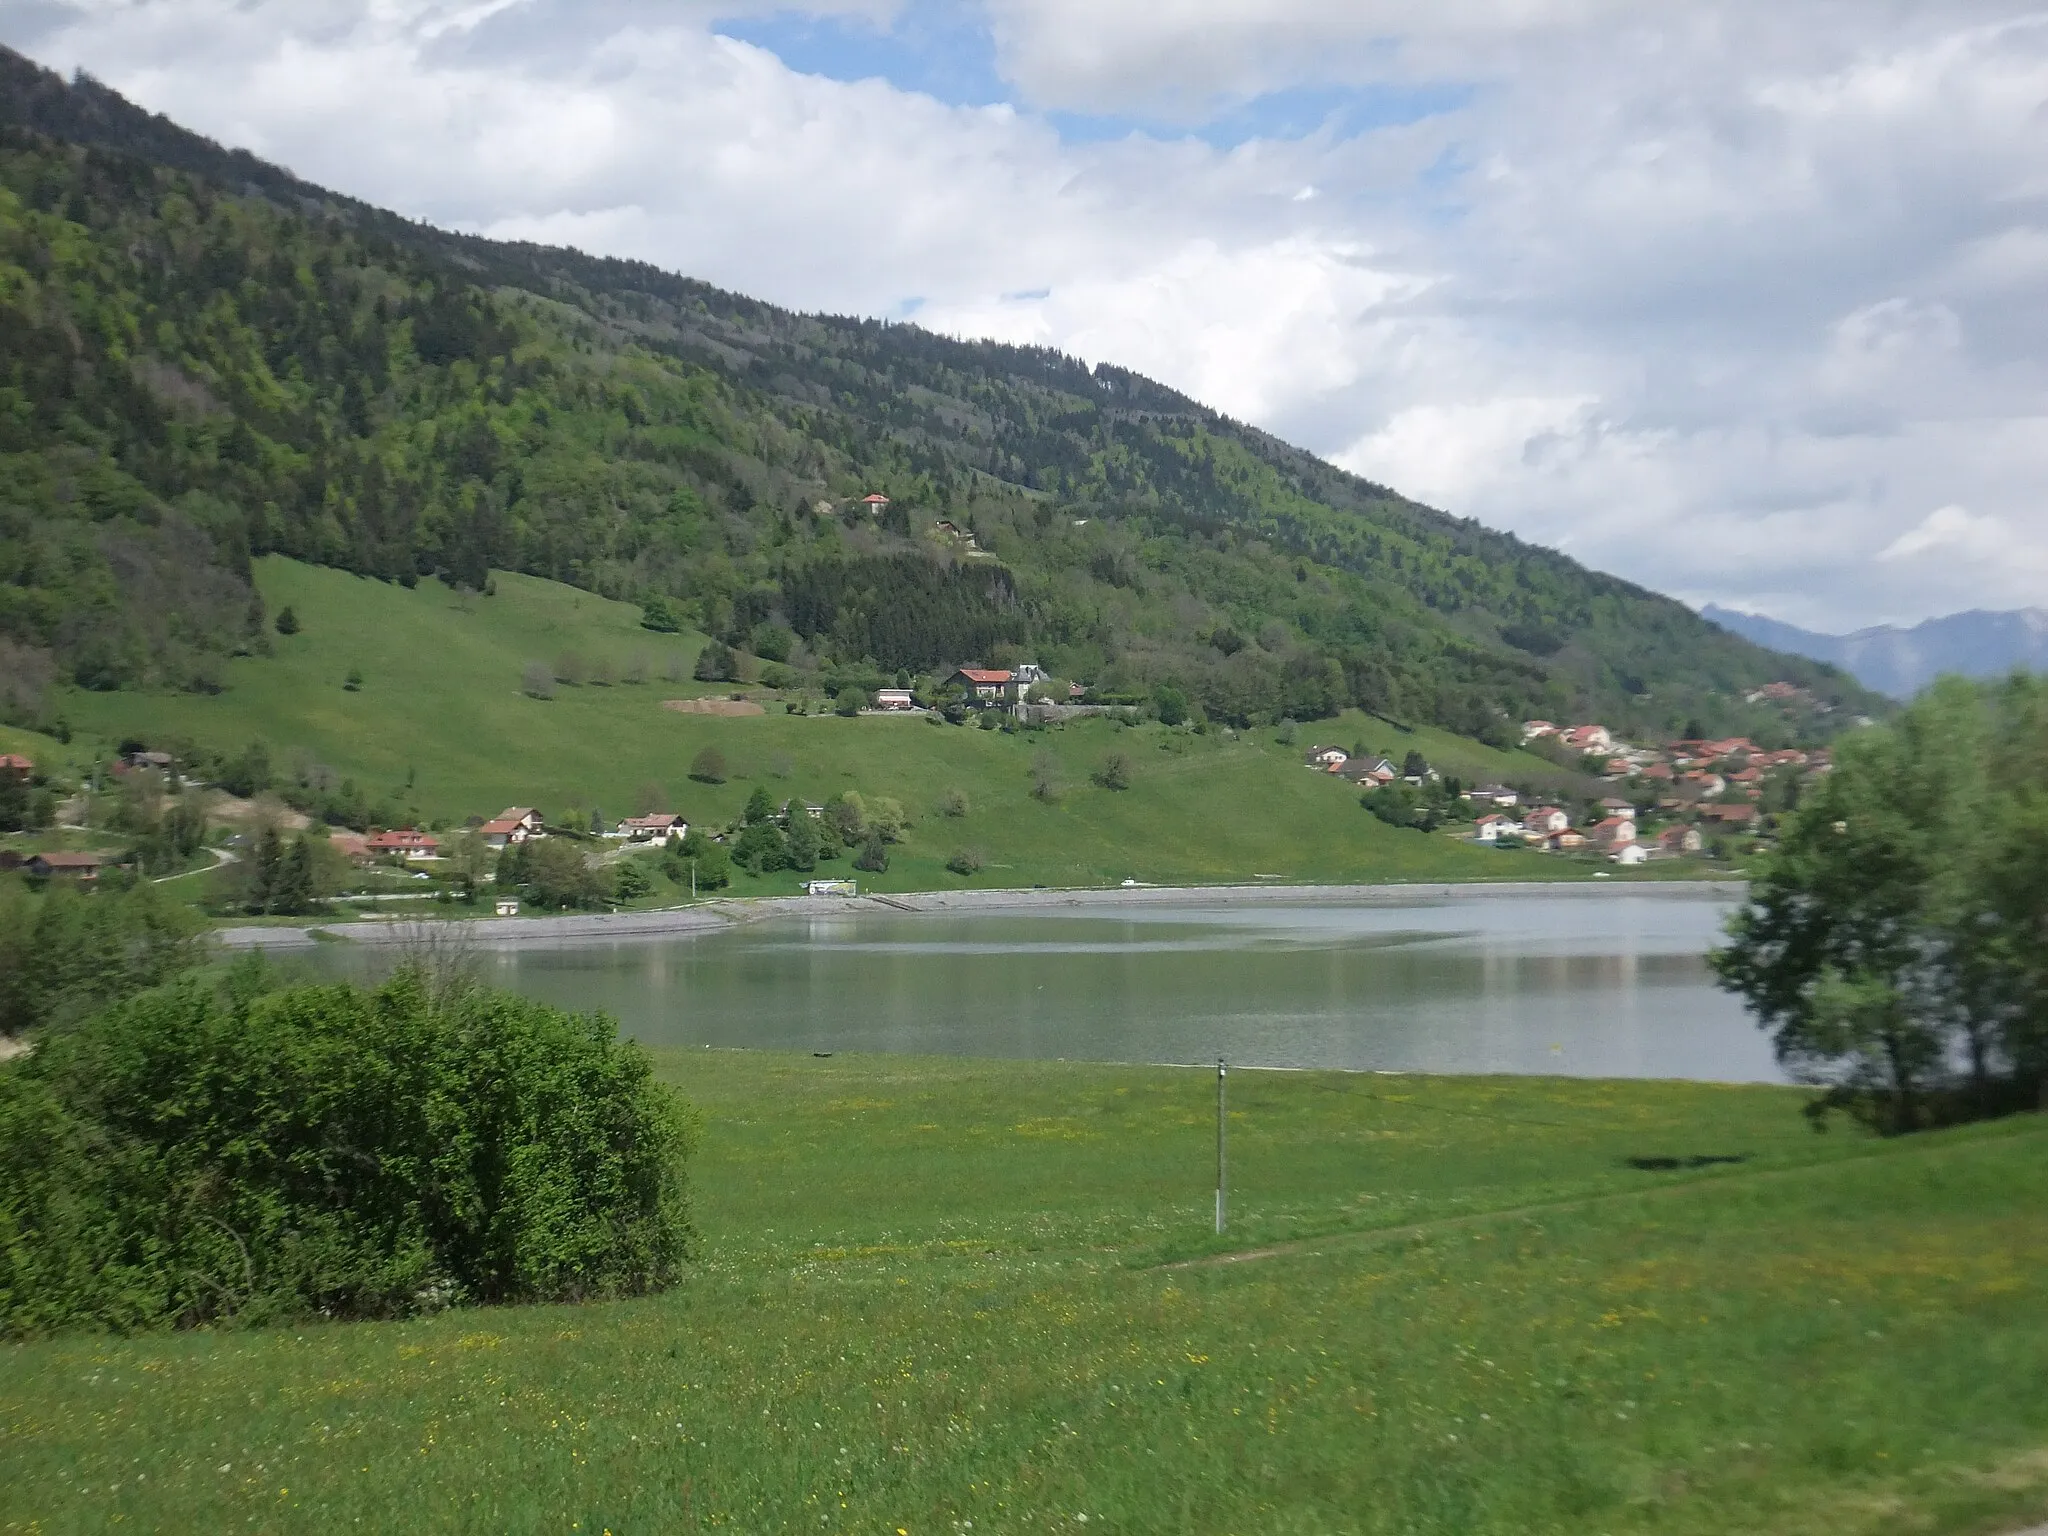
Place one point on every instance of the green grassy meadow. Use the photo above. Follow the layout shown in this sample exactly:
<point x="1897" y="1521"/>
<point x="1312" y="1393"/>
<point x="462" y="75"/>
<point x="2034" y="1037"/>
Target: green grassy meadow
<point x="440" y="726"/>
<point x="945" y="1295"/>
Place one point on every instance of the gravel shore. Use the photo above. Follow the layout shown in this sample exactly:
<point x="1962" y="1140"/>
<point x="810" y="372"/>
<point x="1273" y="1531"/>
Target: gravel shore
<point x="585" y="928"/>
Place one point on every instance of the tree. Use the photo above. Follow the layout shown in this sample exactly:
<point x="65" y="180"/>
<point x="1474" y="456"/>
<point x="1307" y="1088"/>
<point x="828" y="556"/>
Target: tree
<point x="708" y="766"/>
<point x="292" y="890"/>
<point x="469" y="861"/>
<point x="715" y="664"/>
<point x="1115" y="772"/>
<point x="556" y="872"/>
<point x="873" y="857"/>
<point x="13" y="802"/>
<point x="1171" y="703"/>
<point x="287" y="621"/>
<point x="801" y="836"/>
<point x="702" y="859"/>
<point x="760" y="805"/>
<point x="761" y="847"/>
<point x="1891" y="942"/>
<point x="954" y="803"/>
<point x="850" y="702"/>
<point x="848" y="814"/>
<point x="660" y="614"/>
<point x="632" y="881"/>
<point x="1045" y="777"/>
<point x="537" y="681"/>
<point x="887" y="820"/>
<point x="1414" y="766"/>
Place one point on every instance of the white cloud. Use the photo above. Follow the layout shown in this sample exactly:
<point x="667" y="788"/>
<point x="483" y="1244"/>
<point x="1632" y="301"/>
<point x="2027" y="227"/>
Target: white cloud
<point x="1724" y="297"/>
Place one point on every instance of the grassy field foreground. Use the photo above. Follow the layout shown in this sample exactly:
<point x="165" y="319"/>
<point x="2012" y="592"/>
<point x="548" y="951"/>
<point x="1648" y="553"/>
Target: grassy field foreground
<point x="940" y="1295"/>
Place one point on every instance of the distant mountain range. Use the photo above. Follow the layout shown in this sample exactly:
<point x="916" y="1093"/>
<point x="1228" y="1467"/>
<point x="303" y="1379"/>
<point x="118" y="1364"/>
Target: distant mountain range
<point x="1900" y="662"/>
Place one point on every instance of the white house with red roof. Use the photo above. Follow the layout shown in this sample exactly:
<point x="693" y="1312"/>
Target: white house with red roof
<point x="1547" y="820"/>
<point x="876" y="504"/>
<point x="405" y="843"/>
<point x="988" y="684"/>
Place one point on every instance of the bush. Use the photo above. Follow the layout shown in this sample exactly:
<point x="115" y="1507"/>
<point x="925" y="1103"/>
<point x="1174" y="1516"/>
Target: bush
<point x="708" y="766"/>
<point x="954" y="803"/>
<point x="851" y="701"/>
<point x="1115" y="772"/>
<point x="660" y="614"/>
<point x="538" y="681"/>
<point x="287" y="621"/>
<point x="965" y="861"/>
<point x="200" y="1155"/>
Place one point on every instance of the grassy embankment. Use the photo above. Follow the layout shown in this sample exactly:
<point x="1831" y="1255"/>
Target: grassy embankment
<point x="932" y="1293"/>
<point x="440" y="725"/>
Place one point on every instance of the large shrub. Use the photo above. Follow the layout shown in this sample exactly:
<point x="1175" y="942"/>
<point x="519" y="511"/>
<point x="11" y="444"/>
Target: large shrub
<point x="202" y="1153"/>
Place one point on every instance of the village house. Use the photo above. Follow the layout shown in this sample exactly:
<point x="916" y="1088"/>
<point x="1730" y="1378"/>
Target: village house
<point x="13" y="765"/>
<point x="1680" y="840"/>
<point x="1328" y="759"/>
<point x="83" y="867"/>
<point x="1029" y="674"/>
<point x="1614" y="805"/>
<point x="1628" y="855"/>
<point x="1703" y="783"/>
<point x="1729" y="815"/>
<point x="1492" y="794"/>
<point x="986" y="685"/>
<point x="1612" y="833"/>
<point x="876" y="504"/>
<point x="1566" y="842"/>
<point x="1548" y="819"/>
<point x="514" y="824"/>
<point x="405" y="843"/>
<point x="894" y="700"/>
<point x="1493" y="826"/>
<point x="1375" y="770"/>
<point x="1587" y="738"/>
<point x="507" y="906"/>
<point x="657" y="827"/>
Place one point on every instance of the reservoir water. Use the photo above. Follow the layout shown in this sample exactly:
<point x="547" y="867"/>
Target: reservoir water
<point x="1590" y="983"/>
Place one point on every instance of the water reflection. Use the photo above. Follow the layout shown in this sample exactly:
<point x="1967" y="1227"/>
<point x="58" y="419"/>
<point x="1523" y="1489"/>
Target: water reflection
<point x="1609" y="986"/>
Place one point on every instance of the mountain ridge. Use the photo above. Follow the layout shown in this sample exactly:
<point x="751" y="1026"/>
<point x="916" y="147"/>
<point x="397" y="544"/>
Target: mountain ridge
<point x="406" y="401"/>
<point x="1899" y="661"/>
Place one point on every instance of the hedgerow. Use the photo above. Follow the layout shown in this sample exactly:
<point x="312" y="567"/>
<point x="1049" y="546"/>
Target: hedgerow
<point x="212" y="1152"/>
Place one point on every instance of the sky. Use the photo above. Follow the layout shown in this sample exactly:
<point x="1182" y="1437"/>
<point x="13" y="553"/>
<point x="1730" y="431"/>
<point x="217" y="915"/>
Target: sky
<point x="1742" y="300"/>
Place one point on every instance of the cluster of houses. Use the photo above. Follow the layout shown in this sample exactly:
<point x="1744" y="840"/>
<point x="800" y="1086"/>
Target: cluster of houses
<point x="511" y="826"/>
<point x="1704" y="784"/>
<point x="1683" y="774"/>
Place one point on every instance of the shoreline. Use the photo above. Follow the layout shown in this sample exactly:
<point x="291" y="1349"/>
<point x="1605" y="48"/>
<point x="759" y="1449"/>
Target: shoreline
<point x="728" y="912"/>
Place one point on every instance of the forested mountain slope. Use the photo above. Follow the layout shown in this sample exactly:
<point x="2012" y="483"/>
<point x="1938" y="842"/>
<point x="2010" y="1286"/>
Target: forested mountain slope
<point x="203" y="358"/>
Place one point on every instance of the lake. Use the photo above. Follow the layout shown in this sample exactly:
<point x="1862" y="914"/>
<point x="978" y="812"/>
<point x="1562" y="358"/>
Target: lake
<point x="1590" y="983"/>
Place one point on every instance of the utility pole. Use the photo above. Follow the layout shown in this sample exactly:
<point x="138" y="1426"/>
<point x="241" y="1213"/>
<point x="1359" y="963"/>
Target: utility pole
<point x="1221" y="1146"/>
<point x="693" y="879"/>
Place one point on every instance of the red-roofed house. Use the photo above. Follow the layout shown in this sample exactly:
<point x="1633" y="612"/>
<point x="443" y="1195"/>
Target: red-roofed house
<point x="985" y="683"/>
<point x="653" y="828"/>
<point x="1547" y="819"/>
<point x="1613" y="832"/>
<point x="1679" y="840"/>
<point x="16" y="766"/>
<point x="876" y="503"/>
<point x="405" y="844"/>
<point x="1587" y="738"/>
<point x="352" y="846"/>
